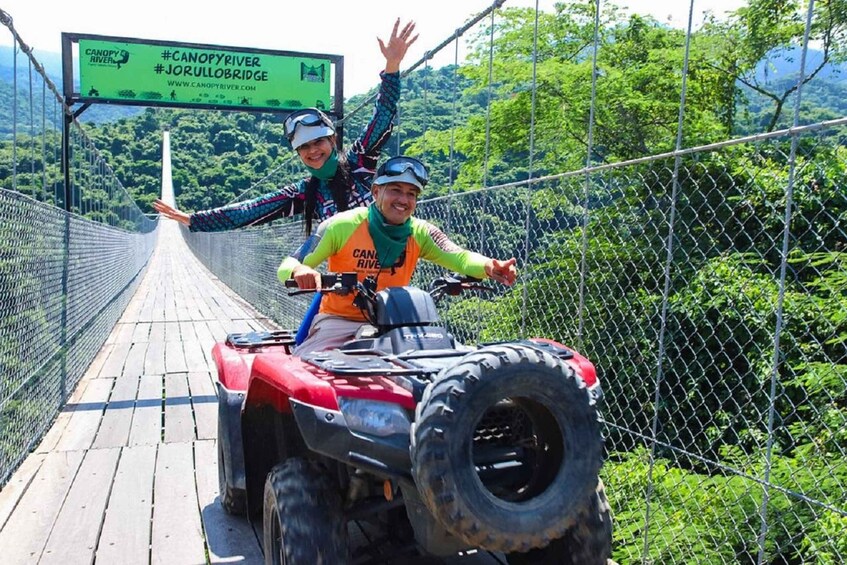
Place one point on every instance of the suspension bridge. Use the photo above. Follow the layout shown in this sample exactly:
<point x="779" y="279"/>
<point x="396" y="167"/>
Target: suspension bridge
<point x="705" y="281"/>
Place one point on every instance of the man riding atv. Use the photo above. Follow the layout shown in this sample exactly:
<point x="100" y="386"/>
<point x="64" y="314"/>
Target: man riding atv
<point x="383" y="241"/>
<point x="421" y="444"/>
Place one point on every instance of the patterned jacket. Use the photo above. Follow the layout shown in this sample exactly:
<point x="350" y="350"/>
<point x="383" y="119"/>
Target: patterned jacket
<point x="290" y="200"/>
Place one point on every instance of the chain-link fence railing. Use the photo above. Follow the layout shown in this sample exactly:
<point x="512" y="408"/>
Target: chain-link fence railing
<point x="69" y="260"/>
<point x="246" y="261"/>
<point x="714" y="303"/>
<point x="706" y="284"/>
<point x="718" y="330"/>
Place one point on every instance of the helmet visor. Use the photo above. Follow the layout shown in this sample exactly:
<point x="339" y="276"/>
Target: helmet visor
<point x="308" y="117"/>
<point x="398" y="166"/>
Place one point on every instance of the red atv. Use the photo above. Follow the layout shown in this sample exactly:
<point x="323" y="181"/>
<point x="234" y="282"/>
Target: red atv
<point x="423" y="444"/>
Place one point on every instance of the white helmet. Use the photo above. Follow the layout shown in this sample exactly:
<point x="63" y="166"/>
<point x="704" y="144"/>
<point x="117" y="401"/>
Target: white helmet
<point x="306" y="125"/>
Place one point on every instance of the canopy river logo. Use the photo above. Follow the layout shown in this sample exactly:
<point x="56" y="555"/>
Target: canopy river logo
<point x="312" y="73"/>
<point x="106" y="57"/>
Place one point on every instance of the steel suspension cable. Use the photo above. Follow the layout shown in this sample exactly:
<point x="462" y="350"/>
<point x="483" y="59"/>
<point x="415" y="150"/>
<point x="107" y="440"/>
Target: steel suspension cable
<point x="780" y="301"/>
<point x="587" y="192"/>
<point x="14" y="116"/>
<point x="397" y="125"/>
<point x="667" y="280"/>
<point x="77" y="133"/>
<point x="32" y="133"/>
<point x="484" y="196"/>
<point x="425" y="106"/>
<point x="461" y="31"/>
<point x="488" y="103"/>
<point x="44" y="142"/>
<point x="530" y="165"/>
<point x="453" y="111"/>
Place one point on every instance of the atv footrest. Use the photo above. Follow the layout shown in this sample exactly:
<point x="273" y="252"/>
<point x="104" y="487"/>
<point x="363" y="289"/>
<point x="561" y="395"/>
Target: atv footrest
<point x="260" y="339"/>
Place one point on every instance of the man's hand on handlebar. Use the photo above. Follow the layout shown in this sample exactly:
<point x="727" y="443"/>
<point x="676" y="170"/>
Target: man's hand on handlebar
<point x="307" y="278"/>
<point x="503" y="272"/>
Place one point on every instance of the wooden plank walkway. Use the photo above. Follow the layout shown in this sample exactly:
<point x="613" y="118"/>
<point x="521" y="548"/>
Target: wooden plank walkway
<point x="128" y="472"/>
<point x="127" y="475"/>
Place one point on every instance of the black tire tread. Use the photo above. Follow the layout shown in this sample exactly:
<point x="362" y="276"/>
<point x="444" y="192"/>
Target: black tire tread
<point x="588" y="542"/>
<point x="300" y="494"/>
<point x="437" y="413"/>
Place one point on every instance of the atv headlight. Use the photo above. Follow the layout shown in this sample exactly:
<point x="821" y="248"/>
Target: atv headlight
<point x="374" y="417"/>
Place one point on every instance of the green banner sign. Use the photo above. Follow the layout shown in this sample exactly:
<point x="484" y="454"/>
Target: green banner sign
<point x="202" y="76"/>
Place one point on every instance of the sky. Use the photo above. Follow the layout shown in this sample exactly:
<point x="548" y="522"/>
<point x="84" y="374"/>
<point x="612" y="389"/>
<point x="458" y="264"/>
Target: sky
<point x="348" y="28"/>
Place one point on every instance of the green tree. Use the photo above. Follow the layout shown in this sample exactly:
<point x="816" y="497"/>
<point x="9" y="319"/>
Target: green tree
<point x="765" y="32"/>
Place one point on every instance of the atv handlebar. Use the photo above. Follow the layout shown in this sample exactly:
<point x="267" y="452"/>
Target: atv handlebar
<point x="340" y="283"/>
<point x="365" y="292"/>
<point x="454" y="285"/>
<point x="345" y="283"/>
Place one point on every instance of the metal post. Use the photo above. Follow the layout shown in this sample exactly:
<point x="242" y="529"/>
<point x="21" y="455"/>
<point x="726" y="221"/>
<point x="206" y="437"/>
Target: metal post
<point x="66" y="171"/>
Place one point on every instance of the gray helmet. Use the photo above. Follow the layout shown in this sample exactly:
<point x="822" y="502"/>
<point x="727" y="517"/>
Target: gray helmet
<point x="403" y="169"/>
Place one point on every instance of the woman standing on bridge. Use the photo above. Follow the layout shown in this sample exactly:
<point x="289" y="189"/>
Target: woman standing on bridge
<point x="337" y="182"/>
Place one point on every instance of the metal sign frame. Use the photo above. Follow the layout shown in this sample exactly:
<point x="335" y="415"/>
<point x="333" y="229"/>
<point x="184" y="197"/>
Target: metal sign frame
<point x="73" y="97"/>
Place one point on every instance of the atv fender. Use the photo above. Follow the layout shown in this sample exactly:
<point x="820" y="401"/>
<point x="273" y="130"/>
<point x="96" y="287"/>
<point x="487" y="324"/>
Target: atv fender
<point x="229" y="434"/>
<point x="276" y="377"/>
<point x="233" y="366"/>
<point x="581" y="365"/>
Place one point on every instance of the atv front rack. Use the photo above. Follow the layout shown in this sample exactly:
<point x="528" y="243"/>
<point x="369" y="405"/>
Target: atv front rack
<point x="410" y="376"/>
<point x="412" y="371"/>
<point x="252" y="340"/>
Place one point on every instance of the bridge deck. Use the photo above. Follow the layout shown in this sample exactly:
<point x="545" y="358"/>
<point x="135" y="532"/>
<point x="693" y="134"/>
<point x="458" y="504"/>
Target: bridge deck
<point x="128" y="472"/>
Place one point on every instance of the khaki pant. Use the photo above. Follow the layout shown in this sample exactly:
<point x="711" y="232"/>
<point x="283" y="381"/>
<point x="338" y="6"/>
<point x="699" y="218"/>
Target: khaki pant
<point x="328" y="332"/>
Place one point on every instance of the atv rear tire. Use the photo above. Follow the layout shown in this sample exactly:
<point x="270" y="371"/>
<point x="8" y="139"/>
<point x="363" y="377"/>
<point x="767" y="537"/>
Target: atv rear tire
<point x="233" y="501"/>
<point x="505" y="447"/>
<point x="588" y="542"/>
<point x="303" y="521"/>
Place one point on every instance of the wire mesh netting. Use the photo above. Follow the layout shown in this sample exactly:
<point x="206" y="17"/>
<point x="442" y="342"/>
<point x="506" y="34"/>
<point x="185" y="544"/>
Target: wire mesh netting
<point x="707" y="284"/>
<point x="723" y="378"/>
<point x="69" y="262"/>
<point x="246" y="261"/>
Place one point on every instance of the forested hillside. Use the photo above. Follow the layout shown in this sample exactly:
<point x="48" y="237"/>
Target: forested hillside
<point x="740" y="83"/>
<point x="52" y="64"/>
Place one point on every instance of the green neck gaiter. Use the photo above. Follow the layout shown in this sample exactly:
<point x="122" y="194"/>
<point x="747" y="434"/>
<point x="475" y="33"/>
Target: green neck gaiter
<point x="327" y="170"/>
<point x="389" y="240"/>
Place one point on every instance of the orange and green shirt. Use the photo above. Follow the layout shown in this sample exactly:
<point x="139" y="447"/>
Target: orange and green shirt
<point x="345" y="242"/>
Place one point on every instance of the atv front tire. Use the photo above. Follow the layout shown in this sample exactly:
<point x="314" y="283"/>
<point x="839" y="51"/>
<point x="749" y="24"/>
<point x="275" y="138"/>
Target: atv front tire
<point x="303" y="521"/>
<point x="588" y="542"/>
<point x="506" y="446"/>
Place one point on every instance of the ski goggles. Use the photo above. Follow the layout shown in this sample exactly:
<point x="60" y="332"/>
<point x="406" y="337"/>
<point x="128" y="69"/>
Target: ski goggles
<point x="398" y="166"/>
<point x="306" y="117"/>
